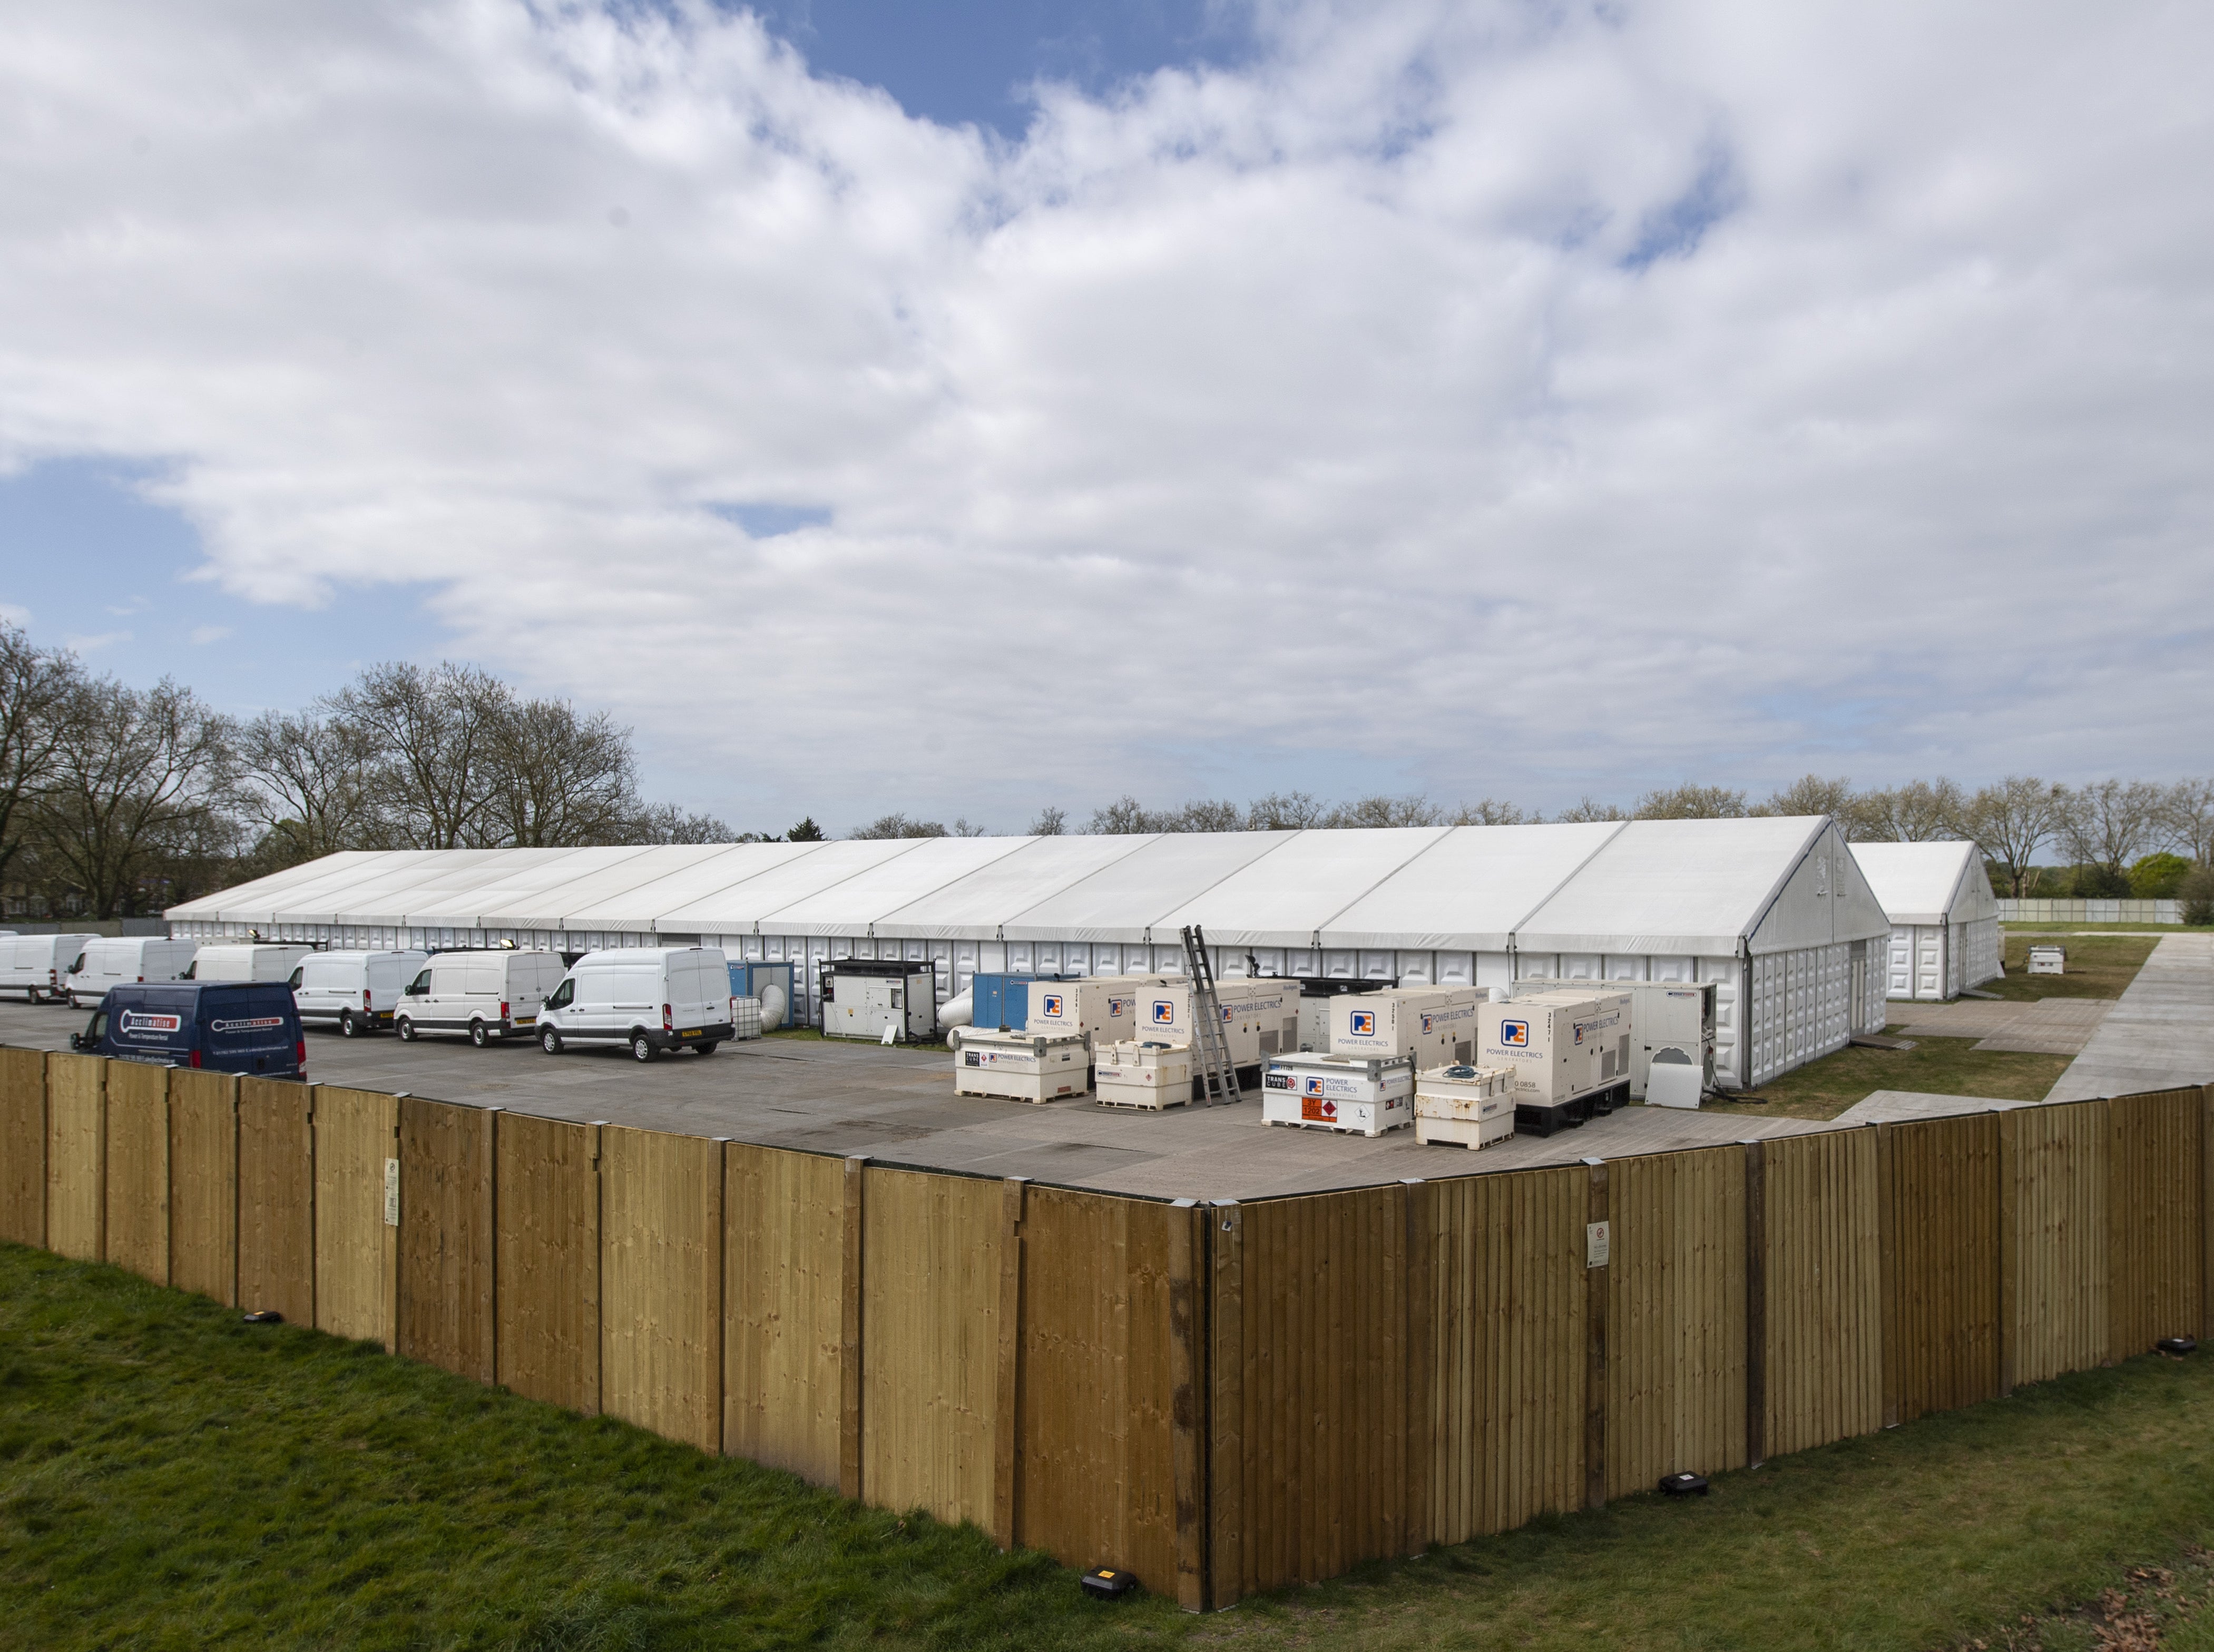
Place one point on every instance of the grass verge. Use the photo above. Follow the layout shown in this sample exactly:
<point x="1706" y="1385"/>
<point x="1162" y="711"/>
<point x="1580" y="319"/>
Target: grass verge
<point x="1935" y="1067"/>
<point x="2099" y="966"/>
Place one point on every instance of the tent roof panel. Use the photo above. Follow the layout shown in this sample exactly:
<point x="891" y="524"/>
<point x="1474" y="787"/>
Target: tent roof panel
<point x="494" y="902"/>
<point x="1927" y="882"/>
<point x="1122" y="901"/>
<point x="858" y="905"/>
<point x="739" y="908"/>
<point x="430" y="885"/>
<point x="682" y="876"/>
<point x="1683" y="886"/>
<point x="1284" y="897"/>
<point x="973" y="908"/>
<point x="1470" y="890"/>
<point x="262" y="898"/>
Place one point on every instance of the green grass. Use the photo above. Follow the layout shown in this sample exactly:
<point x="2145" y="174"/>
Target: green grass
<point x="1935" y="1067"/>
<point x="169" y="1477"/>
<point x="2099" y="966"/>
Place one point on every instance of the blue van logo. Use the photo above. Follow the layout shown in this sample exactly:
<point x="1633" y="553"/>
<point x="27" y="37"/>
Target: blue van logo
<point x="1514" y="1035"/>
<point x="142" y="1021"/>
<point x="1364" y="1024"/>
<point x="1164" y="1013"/>
<point x="1052" y="1004"/>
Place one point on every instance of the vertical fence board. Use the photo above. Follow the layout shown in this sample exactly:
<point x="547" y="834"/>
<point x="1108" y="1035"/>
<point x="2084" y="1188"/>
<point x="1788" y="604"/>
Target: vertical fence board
<point x="446" y="1250"/>
<point x="545" y="1182"/>
<point x="1675" y="1377"/>
<point x="930" y="1304"/>
<point x="356" y="1248"/>
<point x="783" y="1226"/>
<point x="2058" y="1248"/>
<point x="1943" y="1265"/>
<point x="661" y="1283"/>
<point x="77" y="1157"/>
<point x="204" y="1184"/>
<point x="2155" y="1220"/>
<point x="23" y="1146"/>
<point x="138" y="1168"/>
<point x="1824" y="1356"/>
<point x="1228" y="1561"/>
<point x="276" y="1198"/>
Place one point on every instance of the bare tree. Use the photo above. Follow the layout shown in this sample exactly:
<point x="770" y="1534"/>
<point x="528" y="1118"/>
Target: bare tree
<point x="136" y="773"/>
<point x="1282" y="811"/>
<point x="1921" y="811"/>
<point x="438" y="735"/>
<point x="1587" y="810"/>
<point x="1384" y="811"/>
<point x="1691" y="802"/>
<point x="1122" y="818"/>
<point x="1856" y="813"/>
<point x="556" y="780"/>
<point x="898" y="825"/>
<point x="2186" y="819"/>
<point x="35" y="685"/>
<point x="2109" y="823"/>
<point x="2011" y="821"/>
<point x="1050" y="823"/>
<point x="664" y="822"/>
<point x="306" y="784"/>
<point x="1491" y="812"/>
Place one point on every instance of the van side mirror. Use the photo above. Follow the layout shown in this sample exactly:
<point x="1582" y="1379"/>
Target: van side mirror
<point x="77" y="1041"/>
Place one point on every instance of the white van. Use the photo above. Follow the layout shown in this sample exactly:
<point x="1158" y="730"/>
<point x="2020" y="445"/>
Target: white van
<point x="245" y="961"/>
<point x="118" y="960"/>
<point x="37" y="965"/>
<point x="354" y="992"/>
<point x="651" y="998"/>
<point x="490" y="994"/>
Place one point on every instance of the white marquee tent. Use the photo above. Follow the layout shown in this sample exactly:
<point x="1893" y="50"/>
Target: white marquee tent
<point x="1775" y="911"/>
<point x="1944" y="918"/>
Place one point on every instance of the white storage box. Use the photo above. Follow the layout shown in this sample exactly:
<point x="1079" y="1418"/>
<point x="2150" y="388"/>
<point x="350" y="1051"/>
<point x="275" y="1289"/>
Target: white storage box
<point x="1147" y="1073"/>
<point x="1462" y="1105"/>
<point x="1352" y="1094"/>
<point x="1430" y="1026"/>
<point x="1021" y="1066"/>
<point x="1100" y="1009"/>
<point x="1260" y="1017"/>
<point x="2048" y="960"/>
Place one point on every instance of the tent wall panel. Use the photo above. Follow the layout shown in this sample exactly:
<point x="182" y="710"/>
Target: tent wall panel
<point x="138" y="1168"/>
<point x="445" y="1301"/>
<point x="547" y="1210"/>
<point x="276" y="1198"/>
<point x="357" y="1229"/>
<point x="23" y="1146"/>
<point x="783" y="1235"/>
<point x="204" y="1184"/>
<point x="77" y="1157"/>
<point x="661" y="1283"/>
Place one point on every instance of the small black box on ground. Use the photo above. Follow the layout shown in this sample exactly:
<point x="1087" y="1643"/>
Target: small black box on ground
<point x="1104" y="1583"/>
<point x="1683" y="1485"/>
<point x="2176" y="1345"/>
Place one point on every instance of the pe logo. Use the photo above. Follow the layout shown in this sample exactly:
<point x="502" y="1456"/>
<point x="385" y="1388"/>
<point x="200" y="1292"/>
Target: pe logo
<point x="1364" y="1024"/>
<point x="1052" y="1004"/>
<point x="1164" y="1013"/>
<point x="1312" y="1086"/>
<point x="1426" y="1023"/>
<point x="1514" y="1035"/>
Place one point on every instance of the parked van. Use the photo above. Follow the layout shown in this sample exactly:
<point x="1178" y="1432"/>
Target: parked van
<point x="651" y="998"/>
<point x="354" y="992"/>
<point x="489" y="995"/>
<point x="116" y="960"/>
<point x="233" y="1027"/>
<point x="247" y="961"/>
<point x="38" y="966"/>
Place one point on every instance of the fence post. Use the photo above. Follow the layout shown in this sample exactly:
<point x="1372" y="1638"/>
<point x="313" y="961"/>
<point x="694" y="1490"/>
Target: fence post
<point x="1225" y="1441"/>
<point x="1889" y="1316"/>
<point x="1598" y="1241"/>
<point x="849" y="1334"/>
<point x="2010" y="1247"/>
<point x="1007" y="1410"/>
<point x="1420" y="1444"/>
<point x="1187" y="1380"/>
<point x="1756" y="1306"/>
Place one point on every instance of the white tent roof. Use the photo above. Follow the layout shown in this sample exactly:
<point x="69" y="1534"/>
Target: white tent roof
<point x="1470" y="891"/>
<point x="1927" y="883"/>
<point x="1697" y="887"/>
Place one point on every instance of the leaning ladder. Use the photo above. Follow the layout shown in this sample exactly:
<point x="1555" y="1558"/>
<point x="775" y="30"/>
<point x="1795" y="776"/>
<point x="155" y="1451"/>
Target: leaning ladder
<point x="1214" y="1064"/>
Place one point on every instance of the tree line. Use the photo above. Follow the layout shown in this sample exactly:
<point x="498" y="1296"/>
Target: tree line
<point x="117" y="801"/>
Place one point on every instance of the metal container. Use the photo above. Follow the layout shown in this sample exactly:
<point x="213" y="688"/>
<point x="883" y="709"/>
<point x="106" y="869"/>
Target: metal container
<point x="1468" y="1106"/>
<point x="1260" y="1013"/>
<point x="1100" y="1009"/>
<point x="1427" y="1025"/>
<point x="1354" y="1095"/>
<point x="1146" y="1073"/>
<point x="1021" y="1066"/>
<point x="1566" y="1055"/>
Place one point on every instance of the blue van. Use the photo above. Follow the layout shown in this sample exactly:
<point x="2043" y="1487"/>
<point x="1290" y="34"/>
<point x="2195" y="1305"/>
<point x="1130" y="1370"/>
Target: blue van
<point x="227" y="1026"/>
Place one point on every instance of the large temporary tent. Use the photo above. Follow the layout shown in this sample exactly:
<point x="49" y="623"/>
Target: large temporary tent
<point x="1773" y="911"/>
<point x="1944" y="918"/>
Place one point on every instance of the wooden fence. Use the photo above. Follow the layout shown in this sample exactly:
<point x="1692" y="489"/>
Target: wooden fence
<point x="1223" y="1397"/>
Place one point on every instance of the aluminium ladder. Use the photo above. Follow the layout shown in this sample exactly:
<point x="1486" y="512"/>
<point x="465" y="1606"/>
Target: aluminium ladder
<point x="1219" y="1076"/>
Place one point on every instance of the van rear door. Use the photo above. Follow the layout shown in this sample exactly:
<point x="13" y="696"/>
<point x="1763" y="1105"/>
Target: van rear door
<point x="250" y="1028"/>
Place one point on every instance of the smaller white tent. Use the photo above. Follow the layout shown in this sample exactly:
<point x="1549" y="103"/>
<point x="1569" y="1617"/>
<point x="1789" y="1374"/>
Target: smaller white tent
<point x="1944" y="918"/>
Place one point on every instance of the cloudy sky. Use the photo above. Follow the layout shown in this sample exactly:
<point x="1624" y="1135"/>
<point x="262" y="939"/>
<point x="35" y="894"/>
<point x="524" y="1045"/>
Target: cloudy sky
<point x="972" y="407"/>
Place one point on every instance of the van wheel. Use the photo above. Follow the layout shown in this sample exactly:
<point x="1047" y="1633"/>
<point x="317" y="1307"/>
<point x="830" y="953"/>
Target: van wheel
<point x="641" y="1048"/>
<point x="346" y="1027"/>
<point x="406" y="1031"/>
<point x="708" y="1048"/>
<point x="477" y="1036"/>
<point x="550" y="1042"/>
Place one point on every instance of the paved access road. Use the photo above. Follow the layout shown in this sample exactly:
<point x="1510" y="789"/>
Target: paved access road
<point x="2160" y="1033"/>
<point x="898" y="1105"/>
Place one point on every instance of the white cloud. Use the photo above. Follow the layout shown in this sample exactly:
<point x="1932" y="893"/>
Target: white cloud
<point x="202" y="635"/>
<point x="1486" y="398"/>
